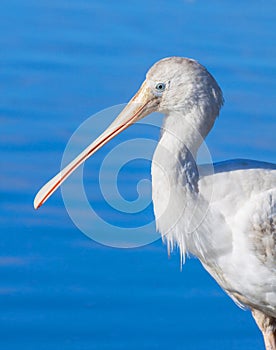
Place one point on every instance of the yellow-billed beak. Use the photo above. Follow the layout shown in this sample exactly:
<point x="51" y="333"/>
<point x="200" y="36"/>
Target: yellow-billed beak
<point x="143" y="103"/>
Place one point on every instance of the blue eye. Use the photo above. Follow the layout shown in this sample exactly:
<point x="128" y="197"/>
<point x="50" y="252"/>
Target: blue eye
<point x="160" y="87"/>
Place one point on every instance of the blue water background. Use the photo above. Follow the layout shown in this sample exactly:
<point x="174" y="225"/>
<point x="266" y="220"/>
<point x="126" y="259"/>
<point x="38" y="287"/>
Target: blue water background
<point x="63" y="61"/>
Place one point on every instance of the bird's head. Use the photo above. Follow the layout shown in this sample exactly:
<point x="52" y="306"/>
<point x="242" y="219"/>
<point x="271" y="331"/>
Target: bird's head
<point x="178" y="84"/>
<point x="172" y="84"/>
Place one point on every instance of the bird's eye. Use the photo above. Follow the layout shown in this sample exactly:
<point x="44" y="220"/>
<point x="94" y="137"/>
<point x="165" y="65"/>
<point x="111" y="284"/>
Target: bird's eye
<point x="160" y="87"/>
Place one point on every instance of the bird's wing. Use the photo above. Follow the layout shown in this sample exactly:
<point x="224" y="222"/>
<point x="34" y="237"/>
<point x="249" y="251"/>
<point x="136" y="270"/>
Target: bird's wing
<point x="260" y="225"/>
<point x="244" y="192"/>
<point x="254" y="252"/>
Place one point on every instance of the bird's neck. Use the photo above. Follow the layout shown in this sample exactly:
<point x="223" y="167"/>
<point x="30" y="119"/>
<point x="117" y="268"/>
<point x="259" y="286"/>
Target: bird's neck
<point x="175" y="176"/>
<point x="186" y="131"/>
<point x="177" y="149"/>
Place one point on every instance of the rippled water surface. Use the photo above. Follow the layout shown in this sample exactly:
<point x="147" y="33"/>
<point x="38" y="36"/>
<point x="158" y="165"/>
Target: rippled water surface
<point x="64" y="61"/>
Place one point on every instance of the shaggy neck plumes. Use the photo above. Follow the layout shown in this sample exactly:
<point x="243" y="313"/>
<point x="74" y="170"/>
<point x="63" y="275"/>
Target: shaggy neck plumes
<point x="175" y="178"/>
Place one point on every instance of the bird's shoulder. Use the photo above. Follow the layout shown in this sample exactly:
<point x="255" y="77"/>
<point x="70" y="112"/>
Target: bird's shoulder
<point x="236" y="180"/>
<point x="235" y="165"/>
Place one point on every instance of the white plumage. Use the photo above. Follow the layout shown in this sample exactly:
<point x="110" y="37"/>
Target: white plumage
<point x="225" y="217"/>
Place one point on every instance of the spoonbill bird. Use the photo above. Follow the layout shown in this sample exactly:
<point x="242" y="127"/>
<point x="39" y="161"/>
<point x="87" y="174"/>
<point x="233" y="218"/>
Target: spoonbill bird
<point x="233" y="231"/>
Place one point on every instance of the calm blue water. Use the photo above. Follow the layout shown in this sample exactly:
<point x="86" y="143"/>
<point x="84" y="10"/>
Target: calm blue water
<point x="63" y="61"/>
